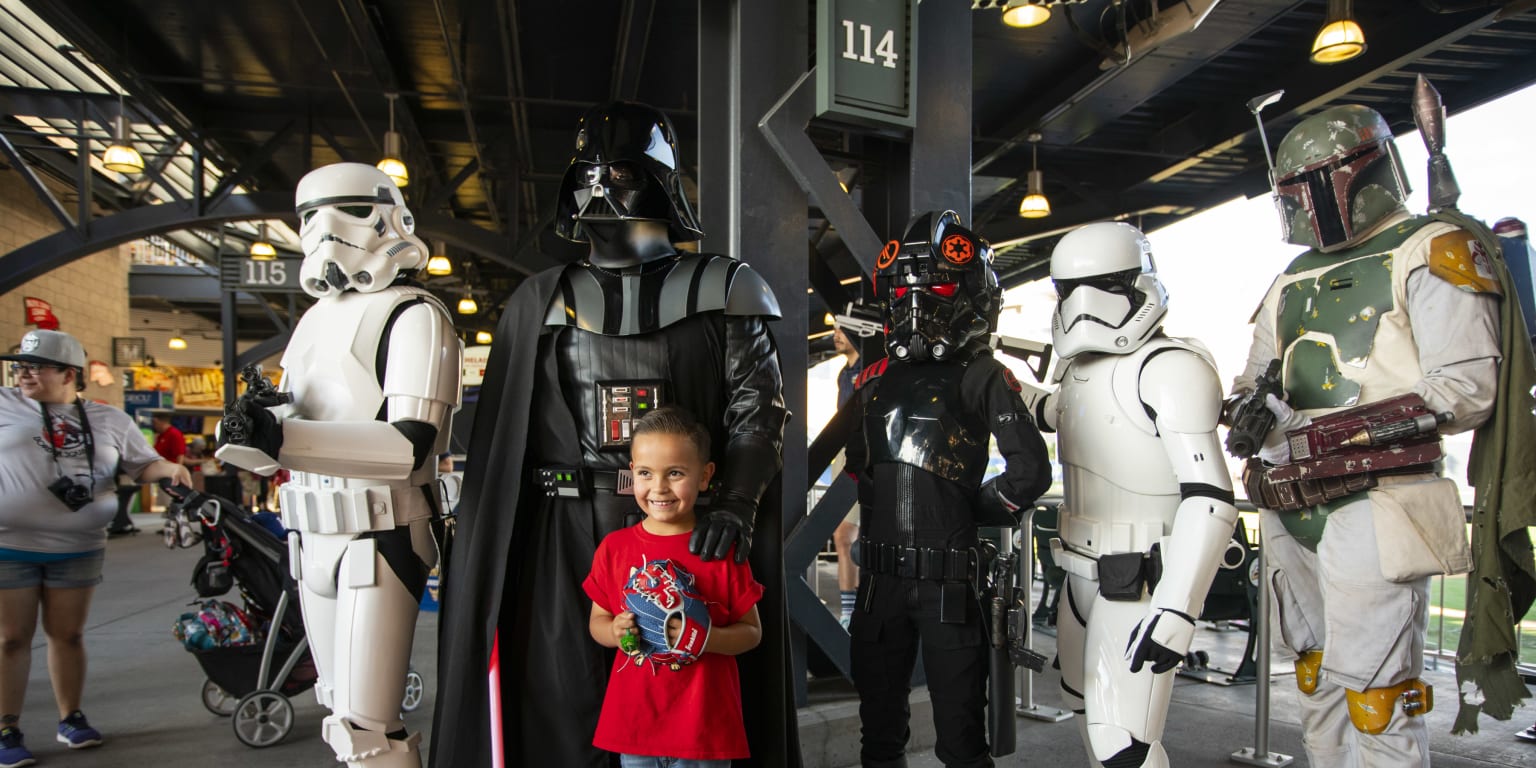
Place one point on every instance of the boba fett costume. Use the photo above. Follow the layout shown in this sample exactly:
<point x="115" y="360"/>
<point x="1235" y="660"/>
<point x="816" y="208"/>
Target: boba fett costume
<point x="1382" y="305"/>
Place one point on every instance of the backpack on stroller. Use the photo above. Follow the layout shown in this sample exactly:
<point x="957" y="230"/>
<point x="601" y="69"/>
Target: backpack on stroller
<point x="251" y="674"/>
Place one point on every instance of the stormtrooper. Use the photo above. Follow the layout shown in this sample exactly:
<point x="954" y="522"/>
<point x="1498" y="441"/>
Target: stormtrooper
<point x="1382" y="305"/>
<point x="1140" y="539"/>
<point x="920" y="454"/>
<point x="581" y="353"/>
<point x="372" y="372"/>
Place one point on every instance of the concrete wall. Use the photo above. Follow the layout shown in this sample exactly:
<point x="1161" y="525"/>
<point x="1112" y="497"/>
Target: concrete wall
<point x="89" y="296"/>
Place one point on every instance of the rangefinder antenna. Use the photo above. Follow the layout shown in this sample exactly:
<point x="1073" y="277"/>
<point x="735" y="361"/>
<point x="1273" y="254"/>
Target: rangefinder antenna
<point x="1255" y="106"/>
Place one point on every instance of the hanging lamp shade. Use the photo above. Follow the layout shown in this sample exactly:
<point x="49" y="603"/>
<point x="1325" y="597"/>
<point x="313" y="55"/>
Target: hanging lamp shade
<point x="482" y="337"/>
<point x="1025" y="13"/>
<point x="1341" y="38"/>
<point x="467" y="305"/>
<point x="120" y="156"/>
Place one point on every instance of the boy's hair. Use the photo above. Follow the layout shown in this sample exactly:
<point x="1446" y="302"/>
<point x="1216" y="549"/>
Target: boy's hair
<point x="675" y="420"/>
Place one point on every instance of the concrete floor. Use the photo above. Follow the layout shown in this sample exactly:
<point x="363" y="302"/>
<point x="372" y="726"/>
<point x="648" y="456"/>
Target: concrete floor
<point x="143" y="692"/>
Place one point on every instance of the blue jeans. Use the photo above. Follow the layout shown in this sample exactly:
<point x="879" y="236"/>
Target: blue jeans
<point x="645" y="761"/>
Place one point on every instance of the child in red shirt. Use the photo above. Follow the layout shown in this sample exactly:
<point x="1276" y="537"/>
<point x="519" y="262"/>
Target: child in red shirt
<point x="659" y="706"/>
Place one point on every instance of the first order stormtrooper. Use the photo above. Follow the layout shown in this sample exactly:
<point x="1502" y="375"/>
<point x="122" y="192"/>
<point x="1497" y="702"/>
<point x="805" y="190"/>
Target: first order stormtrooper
<point x="920" y="454"/>
<point x="1148" y="508"/>
<point x="581" y="353"/>
<point x="1382" y="305"/>
<point x="373" y="374"/>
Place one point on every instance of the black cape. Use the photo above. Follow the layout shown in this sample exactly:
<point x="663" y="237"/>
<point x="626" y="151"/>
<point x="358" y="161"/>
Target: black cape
<point x="492" y="523"/>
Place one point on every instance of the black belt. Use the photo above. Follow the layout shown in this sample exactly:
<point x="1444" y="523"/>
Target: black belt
<point x="929" y="563"/>
<point x="584" y="482"/>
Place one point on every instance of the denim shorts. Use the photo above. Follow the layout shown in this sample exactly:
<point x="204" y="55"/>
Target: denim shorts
<point x="82" y="571"/>
<point x="642" y="761"/>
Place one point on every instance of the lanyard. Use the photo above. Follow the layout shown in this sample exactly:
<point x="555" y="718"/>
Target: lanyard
<point x="85" y="427"/>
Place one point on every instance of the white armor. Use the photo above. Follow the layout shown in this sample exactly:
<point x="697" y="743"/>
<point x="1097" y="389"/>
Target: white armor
<point x="362" y="491"/>
<point x="1136" y="416"/>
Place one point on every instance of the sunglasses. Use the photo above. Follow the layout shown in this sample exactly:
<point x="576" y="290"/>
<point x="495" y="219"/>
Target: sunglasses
<point x="18" y="369"/>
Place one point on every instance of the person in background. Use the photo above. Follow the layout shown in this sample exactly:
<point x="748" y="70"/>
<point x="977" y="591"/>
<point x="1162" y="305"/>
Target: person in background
<point x="57" y="495"/>
<point x="170" y="443"/>
<point x="848" y="530"/>
<point x="196" y="460"/>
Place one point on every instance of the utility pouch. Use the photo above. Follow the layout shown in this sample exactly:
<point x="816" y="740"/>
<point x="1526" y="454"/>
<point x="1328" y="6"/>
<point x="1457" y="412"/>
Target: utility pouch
<point x="1122" y="576"/>
<point x="1420" y="529"/>
<point x="953" y="595"/>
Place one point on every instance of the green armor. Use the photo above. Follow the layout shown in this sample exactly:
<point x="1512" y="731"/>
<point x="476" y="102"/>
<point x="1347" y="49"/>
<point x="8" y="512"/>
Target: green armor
<point x="1345" y="303"/>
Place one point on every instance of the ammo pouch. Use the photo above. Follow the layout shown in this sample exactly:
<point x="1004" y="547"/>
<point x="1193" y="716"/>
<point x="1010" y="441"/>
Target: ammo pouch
<point x="1122" y="576"/>
<point x="1291" y="495"/>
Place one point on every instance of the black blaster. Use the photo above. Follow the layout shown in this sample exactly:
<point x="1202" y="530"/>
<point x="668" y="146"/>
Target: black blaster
<point x="260" y="393"/>
<point x="1250" y="420"/>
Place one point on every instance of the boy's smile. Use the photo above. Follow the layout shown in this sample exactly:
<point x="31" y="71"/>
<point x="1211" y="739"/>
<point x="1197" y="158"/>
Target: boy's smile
<point x="669" y="473"/>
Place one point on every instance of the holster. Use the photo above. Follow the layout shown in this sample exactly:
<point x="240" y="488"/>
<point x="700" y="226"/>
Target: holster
<point x="1266" y="492"/>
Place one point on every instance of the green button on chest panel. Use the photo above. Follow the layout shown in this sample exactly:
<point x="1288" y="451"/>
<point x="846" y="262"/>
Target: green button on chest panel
<point x="1346" y="302"/>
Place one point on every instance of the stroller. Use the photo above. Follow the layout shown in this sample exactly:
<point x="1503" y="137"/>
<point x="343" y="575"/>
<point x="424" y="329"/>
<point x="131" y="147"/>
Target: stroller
<point x="241" y="552"/>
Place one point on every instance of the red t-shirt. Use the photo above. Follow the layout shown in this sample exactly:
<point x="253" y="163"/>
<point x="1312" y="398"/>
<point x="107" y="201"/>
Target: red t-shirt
<point x="171" y="445"/>
<point x="691" y="713"/>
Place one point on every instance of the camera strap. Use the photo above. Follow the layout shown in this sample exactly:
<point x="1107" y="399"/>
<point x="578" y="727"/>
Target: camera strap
<point x="85" y="430"/>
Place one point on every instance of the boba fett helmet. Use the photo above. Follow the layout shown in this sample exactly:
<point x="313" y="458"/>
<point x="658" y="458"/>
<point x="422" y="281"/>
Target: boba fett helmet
<point x="1337" y="176"/>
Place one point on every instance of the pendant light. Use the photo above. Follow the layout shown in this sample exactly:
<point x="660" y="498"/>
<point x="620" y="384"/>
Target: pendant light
<point x="1035" y="205"/>
<point x="177" y="342"/>
<point x="261" y="247"/>
<point x="391" y="164"/>
<point x="120" y="155"/>
<point x="1340" y="39"/>
<point x="1026" y="13"/>
<point x="467" y="305"/>
<point x="439" y="264"/>
<point x="482" y="337"/>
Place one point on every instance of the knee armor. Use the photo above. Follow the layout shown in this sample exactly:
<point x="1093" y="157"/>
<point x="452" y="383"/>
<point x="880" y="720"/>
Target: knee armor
<point x="1371" y="709"/>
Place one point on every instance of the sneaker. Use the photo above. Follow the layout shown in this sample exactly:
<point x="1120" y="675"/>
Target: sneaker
<point x="12" y="753"/>
<point x="77" y="733"/>
<point x="1528" y="734"/>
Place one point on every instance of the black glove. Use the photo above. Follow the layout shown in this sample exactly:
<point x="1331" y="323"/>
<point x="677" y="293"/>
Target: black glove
<point x="727" y="521"/>
<point x="1163" y="640"/>
<point x="247" y="420"/>
<point x="993" y="509"/>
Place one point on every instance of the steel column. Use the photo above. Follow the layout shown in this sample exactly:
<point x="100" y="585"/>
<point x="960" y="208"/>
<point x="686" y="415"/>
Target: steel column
<point x="751" y="52"/>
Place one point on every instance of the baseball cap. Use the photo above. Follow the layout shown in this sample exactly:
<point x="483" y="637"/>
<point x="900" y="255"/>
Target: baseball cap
<point x="55" y="347"/>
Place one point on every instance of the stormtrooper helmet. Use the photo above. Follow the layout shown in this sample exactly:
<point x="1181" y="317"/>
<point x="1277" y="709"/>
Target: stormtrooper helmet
<point x="937" y="287"/>
<point x="1108" y="296"/>
<point x="356" y="232"/>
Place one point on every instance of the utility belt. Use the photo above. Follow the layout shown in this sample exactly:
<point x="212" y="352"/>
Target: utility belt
<point x="1283" y="489"/>
<point x="584" y="482"/>
<point x="576" y="482"/>
<point x="927" y="563"/>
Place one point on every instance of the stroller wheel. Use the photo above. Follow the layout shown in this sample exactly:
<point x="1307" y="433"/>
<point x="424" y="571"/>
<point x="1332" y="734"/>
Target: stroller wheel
<point x="262" y="719"/>
<point x="415" y="686"/>
<point x="169" y="534"/>
<point x="218" y="700"/>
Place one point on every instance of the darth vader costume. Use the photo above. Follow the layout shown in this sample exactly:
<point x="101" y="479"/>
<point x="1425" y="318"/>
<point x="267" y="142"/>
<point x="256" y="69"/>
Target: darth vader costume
<point x="581" y="352"/>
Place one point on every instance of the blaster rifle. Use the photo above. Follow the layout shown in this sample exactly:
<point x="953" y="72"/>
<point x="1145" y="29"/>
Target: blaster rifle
<point x="1250" y="419"/>
<point x="860" y="321"/>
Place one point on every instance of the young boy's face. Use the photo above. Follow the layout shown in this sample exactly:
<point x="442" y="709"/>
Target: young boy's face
<point x="669" y="473"/>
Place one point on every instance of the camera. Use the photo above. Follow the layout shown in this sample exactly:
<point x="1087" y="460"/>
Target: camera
<point x="73" y="494"/>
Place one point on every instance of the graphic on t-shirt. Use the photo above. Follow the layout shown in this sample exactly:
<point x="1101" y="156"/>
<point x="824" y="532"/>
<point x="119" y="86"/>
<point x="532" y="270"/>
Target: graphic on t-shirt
<point x="67" y="438"/>
<point x="657" y="593"/>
